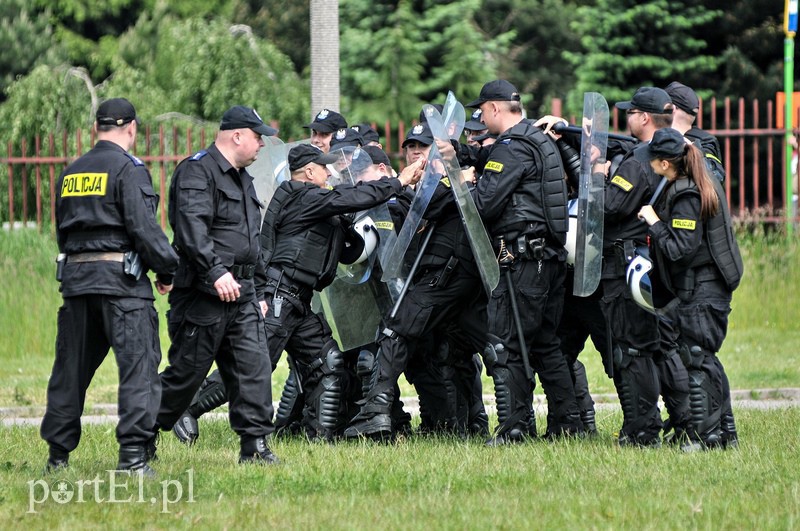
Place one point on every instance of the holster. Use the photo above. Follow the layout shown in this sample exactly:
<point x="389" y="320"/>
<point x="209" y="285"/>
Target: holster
<point x="132" y="264"/>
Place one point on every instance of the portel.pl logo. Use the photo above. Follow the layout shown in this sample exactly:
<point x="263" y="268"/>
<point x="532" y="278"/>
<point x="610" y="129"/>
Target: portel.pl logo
<point x="120" y="487"/>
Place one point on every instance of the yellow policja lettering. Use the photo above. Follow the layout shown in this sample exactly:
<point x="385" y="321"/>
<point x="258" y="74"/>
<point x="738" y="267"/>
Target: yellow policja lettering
<point x="622" y="183"/>
<point x="688" y="224"/>
<point x="494" y="166"/>
<point x="83" y="184"/>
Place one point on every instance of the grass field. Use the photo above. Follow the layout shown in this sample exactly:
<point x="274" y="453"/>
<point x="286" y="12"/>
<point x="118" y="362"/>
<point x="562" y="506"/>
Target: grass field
<point x="419" y="482"/>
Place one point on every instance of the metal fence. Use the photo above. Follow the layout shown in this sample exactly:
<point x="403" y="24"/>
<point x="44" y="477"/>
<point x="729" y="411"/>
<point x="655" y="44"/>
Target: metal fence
<point x="752" y="147"/>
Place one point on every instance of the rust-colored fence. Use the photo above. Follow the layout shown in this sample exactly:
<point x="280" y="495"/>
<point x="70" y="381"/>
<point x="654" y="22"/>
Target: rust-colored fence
<point x="752" y="147"/>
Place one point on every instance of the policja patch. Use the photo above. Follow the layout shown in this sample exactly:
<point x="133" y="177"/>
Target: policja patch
<point x="622" y="183"/>
<point x="83" y="184"/>
<point x="494" y="166"/>
<point x="688" y="224"/>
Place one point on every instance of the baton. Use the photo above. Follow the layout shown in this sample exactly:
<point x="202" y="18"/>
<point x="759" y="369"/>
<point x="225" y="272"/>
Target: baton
<point x="411" y="273"/>
<point x="560" y="128"/>
<point x="518" y="322"/>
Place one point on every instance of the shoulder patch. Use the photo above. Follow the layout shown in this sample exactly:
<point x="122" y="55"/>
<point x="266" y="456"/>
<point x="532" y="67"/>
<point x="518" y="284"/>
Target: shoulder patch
<point x="136" y="161"/>
<point x="445" y="181"/>
<point x="385" y="225"/>
<point x="622" y="183"/>
<point x="199" y="155"/>
<point x="83" y="184"/>
<point x="687" y="224"/>
<point x="504" y="141"/>
<point x="494" y="166"/>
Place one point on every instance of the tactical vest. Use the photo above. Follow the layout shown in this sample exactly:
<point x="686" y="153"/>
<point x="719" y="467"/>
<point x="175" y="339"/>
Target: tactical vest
<point x="709" y="147"/>
<point x="544" y="193"/>
<point x="721" y="248"/>
<point x="309" y="258"/>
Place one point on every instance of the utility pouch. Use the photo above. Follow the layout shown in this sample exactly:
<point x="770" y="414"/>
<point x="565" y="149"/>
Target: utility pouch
<point x="132" y="264"/>
<point x="61" y="259"/>
<point x="537" y="248"/>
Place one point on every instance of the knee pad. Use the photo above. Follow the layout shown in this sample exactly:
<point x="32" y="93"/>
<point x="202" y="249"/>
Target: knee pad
<point x="693" y="356"/>
<point x="211" y="395"/>
<point x="290" y="407"/>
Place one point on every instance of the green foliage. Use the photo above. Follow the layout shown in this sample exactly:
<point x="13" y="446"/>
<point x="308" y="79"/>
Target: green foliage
<point x="627" y="44"/>
<point x="25" y="35"/>
<point x="420" y="50"/>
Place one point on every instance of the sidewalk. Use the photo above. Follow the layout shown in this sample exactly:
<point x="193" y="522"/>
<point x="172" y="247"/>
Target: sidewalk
<point x="107" y="413"/>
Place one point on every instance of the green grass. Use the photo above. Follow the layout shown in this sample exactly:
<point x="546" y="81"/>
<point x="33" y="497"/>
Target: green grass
<point x="432" y="483"/>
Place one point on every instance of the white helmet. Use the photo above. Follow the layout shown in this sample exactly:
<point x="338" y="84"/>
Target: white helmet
<point x="638" y="279"/>
<point x="572" y="231"/>
<point x="365" y="228"/>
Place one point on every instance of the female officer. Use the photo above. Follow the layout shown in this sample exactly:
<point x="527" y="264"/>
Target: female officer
<point x="696" y="252"/>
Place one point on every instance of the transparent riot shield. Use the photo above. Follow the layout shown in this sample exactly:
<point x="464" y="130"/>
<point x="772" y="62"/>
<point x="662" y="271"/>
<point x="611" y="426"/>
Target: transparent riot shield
<point x="591" y="194"/>
<point x="476" y="232"/>
<point x="267" y="168"/>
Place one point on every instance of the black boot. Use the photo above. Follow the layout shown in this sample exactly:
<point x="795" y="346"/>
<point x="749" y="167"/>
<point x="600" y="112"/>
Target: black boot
<point x="255" y="450"/>
<point x="56" y="461"/>
<point x="374" y="420"/>
<point x="210" y="396"/>
<point x="134" y="459"/>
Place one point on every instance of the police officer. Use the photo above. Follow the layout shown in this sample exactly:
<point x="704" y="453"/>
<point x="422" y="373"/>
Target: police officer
<point x="217" y="307"/>
<point x="522" y="198"/>
<point x="323" y="127"/>
<point x="445" y="289"/>
<point x="635" y="332"/>
<point x="697" y="254"/>
<point x="475" y="128"/>
<point x="687" y="105"/>
<point x="305" y="235"/>
<point x="107" y="231"/>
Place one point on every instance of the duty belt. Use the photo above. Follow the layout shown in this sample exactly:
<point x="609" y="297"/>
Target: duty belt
<point x="101" y="256"/>
<point x="243" y="271"/>
<point x="276" y="278"/>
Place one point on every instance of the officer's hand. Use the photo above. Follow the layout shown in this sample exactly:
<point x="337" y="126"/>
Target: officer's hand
<point x="547" y="122"/>
<point x="468" y="175"/>
<point x="412" y="173"/>
<point x="227" y="288"/>
<point x="446" y="149"/>
<point x="163" y="289"/>
<point x="264" y="308"/>
<point x="648" y="215"/>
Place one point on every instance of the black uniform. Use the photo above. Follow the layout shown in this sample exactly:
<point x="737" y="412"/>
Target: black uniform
<point x="522" y="197"/>
<point x="634" y="331"/>
<point x="214" y="213"/>
<point x="106" y="206"/>
<point x="700" y="262"/>
<point x="447" y="287"/>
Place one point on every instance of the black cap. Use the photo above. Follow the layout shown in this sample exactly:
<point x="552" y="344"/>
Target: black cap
<point x="346" y="137"/>
<point x="377" y="155"/>
<point x="116" y="111"/>
<point x="648" y="99"/>
<point x="367" y="132"/>
<point x="474" y="123"/>
<point x="480" y="138"/>
<point x="421" y="133"/>
<point x="683" y="97"/>
<point x="241" y="117"/>
<point x="327" y="121"/>
<point x="497" y="90"/>
<point x="424" y="119"/>
<point x="302" y="154"/>
<point x="667" y="143"/>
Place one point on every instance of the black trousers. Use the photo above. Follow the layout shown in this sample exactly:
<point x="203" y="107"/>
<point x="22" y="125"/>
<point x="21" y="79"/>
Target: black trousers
<point x="203" y="330"/>
<point x="428" y="306"/>
<point x="88" y="326"/>
<point x="539" y="290"/>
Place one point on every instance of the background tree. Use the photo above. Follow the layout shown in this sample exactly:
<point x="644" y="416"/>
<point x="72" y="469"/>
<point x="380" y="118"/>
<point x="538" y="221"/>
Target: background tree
<point x="629" y="43"/>
<point x="25" y="35"/>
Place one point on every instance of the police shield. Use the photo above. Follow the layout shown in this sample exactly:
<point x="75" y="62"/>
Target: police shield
<point x="395" y="266"/>
<point x="271" y="168"/>
<point x="476" y="232"/>
<point x="591" y="194"/>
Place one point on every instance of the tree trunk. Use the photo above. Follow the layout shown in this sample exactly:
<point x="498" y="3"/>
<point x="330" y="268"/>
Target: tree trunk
<point x="324" y="30"/>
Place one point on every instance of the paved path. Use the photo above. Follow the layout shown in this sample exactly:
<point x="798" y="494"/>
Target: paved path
<point x="107" y="413"/>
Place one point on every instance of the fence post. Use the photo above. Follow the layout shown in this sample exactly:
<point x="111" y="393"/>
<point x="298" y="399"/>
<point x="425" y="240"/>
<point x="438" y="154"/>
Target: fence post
<point x="10" y="187"/>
